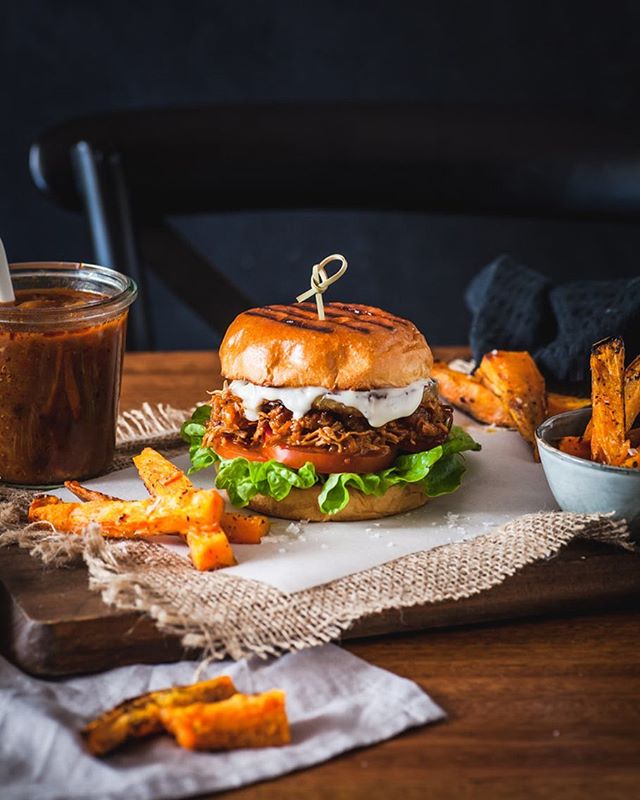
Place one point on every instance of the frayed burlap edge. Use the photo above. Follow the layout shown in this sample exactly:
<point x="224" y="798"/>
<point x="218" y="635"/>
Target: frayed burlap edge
<point x="156" y="426"/>
<point x="222" y="615"/>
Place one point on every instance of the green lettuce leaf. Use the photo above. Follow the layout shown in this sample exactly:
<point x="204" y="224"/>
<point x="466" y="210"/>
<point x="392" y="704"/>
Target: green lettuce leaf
<point x="439" y="471"/>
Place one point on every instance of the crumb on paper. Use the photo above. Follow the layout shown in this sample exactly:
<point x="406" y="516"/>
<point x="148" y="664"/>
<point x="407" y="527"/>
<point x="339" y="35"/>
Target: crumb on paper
<point x="375" y="535"/>
<point x="391" y="544"/>
<point x="368" y="530"/>
<point x="324" y="546"/>
<point x="282" y="549"/>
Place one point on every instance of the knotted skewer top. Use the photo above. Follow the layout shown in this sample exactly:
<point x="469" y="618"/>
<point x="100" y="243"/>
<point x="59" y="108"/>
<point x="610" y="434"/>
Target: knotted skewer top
<point x="320" y="281"/>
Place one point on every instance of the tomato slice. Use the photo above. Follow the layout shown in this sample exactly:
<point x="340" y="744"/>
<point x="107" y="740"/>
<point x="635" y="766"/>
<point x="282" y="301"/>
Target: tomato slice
<point x="324" y="461"/>
<point x="227" y="449"/>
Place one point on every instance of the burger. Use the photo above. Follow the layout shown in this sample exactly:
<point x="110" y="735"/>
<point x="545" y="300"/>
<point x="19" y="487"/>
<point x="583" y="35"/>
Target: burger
<point x="334" y="419"/>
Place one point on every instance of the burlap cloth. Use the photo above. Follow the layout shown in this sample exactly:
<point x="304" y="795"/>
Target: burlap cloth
<point x="222" y="615"/>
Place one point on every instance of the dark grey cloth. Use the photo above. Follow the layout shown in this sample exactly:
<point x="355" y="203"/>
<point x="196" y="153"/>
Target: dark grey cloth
<point x="516" y="308"/>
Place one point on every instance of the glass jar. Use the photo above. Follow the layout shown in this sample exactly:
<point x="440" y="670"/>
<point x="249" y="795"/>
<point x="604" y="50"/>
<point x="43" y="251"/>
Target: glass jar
<point x="61" y="348"/>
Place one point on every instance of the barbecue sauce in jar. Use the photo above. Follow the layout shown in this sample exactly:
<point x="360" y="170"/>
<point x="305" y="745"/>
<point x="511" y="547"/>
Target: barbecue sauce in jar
<point x="61" y="352"/>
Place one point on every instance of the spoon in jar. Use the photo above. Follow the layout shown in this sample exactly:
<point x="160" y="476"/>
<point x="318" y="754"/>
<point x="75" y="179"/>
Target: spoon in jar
<point x="6" y="287"/>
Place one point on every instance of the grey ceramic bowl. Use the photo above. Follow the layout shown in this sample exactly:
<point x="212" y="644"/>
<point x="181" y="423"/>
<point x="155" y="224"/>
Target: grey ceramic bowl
<point x="584" y="486"/>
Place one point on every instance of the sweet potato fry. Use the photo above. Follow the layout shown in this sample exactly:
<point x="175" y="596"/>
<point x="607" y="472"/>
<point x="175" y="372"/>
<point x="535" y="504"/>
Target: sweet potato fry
<point x="559" y="403"/>
<point x="159" y="475"/>
<point x="244" y="528"/>
<point x="517" y="381"/>
<point x="140" y="716"/>
<point x="608" y="442"/>
<point x="85" y="494"/>
<point x="209" y="548"/>
<point x="632" y="392"/>
<point x="575" y="446"/>
<point x="632" y="461"/>
<point x="208" y="543"/>
<point x="241" y="721"/>
<point x="132" y="518"/>
<point x="631" y="397"/>
<point x="470" y="395"/>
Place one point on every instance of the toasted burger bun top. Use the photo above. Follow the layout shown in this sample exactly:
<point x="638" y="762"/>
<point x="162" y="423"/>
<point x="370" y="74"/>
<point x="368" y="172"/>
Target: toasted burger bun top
<point x="355" y="347"/>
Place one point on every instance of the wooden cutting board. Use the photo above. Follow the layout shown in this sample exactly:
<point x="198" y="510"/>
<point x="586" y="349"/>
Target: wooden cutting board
<point x="53" y="625"/>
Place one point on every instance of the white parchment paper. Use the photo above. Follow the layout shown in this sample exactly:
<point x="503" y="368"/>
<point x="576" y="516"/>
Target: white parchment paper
<point x="502" y="482"/>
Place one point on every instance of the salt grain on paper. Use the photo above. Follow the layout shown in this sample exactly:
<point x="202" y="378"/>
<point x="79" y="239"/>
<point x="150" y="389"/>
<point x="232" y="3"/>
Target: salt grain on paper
<point x="293" y="527"/>
<point x="276" y="538"/>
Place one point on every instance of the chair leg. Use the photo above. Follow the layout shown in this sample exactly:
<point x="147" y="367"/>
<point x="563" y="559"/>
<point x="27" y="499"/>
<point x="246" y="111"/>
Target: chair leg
<point x="194" y="279"/>
<point x="106" y="200"/>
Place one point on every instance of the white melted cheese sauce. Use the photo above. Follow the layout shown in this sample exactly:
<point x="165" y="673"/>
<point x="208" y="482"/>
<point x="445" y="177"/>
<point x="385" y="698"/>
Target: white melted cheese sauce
<point x="378" y="406"/>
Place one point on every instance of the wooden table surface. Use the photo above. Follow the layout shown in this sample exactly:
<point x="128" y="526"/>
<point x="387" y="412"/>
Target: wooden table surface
<point x="544" y="708"/>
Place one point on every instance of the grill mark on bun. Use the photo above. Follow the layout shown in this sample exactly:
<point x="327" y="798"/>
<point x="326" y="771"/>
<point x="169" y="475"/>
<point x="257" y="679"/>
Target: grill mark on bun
<point x="343" y="314"/>
<point x="286" y="319"/>
<point x="369" y="312"/>
<point x="363" y="317"/>
<point x="302" y="317"/>
<point x="338" y="315"/>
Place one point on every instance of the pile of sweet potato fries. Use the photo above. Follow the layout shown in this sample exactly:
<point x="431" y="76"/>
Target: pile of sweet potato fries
<point x="210" y="715"/>
<point x="175" y="507"/>
<point x="507" y="390"/>
<point x="610" y="437"/>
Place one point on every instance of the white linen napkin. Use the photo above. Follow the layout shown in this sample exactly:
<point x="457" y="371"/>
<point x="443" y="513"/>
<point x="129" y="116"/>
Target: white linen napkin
<point x="335" y="702"/>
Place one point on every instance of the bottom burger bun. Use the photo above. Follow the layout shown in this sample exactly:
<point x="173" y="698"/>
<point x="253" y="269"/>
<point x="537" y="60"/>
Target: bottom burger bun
<point x="302" y="504"/>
